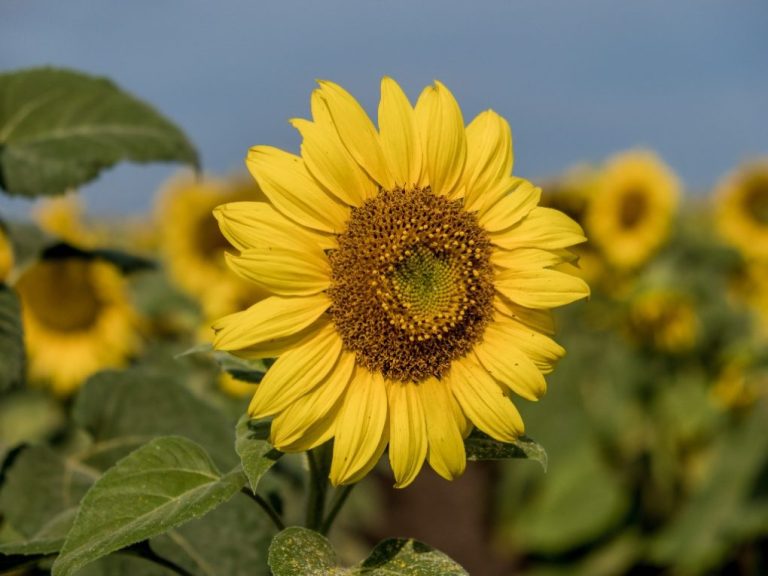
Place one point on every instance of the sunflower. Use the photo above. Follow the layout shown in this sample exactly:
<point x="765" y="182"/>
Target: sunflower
<point x="77" y="320"/>
<point x="6" y="254"/>
<point x="630" y="213"/>
<point x="742" y="209"/>
<point x="411" y="283"/>
<point x="193" y="246"/>
<point x="666" y="320"/>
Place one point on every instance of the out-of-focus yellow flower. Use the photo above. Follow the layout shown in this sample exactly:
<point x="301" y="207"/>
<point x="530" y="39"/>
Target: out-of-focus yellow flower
<point x="630" y="213"/>
<point x="77" y="320"/>
<point x="666" y="320"/>
<point x="64" y="218"/>
<point x="410" y="279"/>
<point x="6" y="254"/>
<point x="741" y="209"/>
<point x="738" y="385"/>
<point x="193" y="247"/>
<point x="751" y="290"/>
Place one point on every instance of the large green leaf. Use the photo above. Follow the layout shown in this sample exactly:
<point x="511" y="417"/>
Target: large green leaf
<point x="124" y="409"/>
<point x="11" y="339"/>
<point x="301" y="552"/>
<point x="163" y="484"/>
<point x="256" y="454"/>
<point x="480" y="446"/>
<point x="42" y="488"/>
<point x="59" y="128"/>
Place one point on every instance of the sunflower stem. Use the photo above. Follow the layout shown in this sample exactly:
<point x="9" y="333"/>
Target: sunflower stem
<point x="319" y="465"/>
<point x="340" y="497"/>
<point x="267" y="507"/>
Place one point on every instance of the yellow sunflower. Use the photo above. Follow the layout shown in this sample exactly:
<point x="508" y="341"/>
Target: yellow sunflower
<point x="630" y="214"/>
<point x="77" y="320"/>
<point x="6" y="254"/>
<point x="193" y="246"/>
<point x="742" y="209"/>
<point x="664" y="319"/>
<point x="411" y="283"/>
<point x="64" y="217"/>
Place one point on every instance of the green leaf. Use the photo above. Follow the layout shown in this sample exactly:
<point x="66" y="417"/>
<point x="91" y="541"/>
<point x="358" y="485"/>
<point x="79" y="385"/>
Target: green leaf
<point x="163" y="484"/>
<point x="57" y="483"/>
<point x="12" y="355"/>
<point x="59" y="128"/>
<point x="232" y="540"/>
<point x="256" y="454"/>
<point x="48" y="540"/>
<point x="480" y="446"/>
<point x="302" y="552"/>
<point x="125" y="262"/>
<point x="124" y="409"/>
<point x="400" y="557"/>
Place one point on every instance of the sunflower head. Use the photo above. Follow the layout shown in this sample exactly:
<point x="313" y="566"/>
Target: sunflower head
<point x="410" y="280"/>
<point x="631" y="210"/>
<point x="742" y="210"/>
<point x="664" y="320"/>
<point x="77" y="320"/>
<point x="194" y="247"/>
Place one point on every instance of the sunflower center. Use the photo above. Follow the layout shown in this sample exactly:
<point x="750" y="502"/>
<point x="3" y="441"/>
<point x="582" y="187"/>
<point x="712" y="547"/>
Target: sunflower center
<point x="634" y="206"/>
<point x="757" y="200"/>
<point x="412" y="284"/>
<point x="61" y="294"/>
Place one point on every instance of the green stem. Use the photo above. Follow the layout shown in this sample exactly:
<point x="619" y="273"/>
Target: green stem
<point x="270" y="511"/>
<point x="143" y="550"/>
<point x="319" y="459"/>
<point x="338" y="501"/>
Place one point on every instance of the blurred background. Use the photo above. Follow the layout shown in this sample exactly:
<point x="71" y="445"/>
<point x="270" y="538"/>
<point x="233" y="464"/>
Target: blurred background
<point x="646" y="122"/>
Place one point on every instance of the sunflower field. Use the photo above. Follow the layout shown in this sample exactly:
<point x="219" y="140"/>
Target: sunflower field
<point x="560" y="377"/>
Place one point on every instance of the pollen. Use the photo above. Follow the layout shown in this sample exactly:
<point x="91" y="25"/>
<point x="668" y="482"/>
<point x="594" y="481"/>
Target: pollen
<point x="412" y="283"/>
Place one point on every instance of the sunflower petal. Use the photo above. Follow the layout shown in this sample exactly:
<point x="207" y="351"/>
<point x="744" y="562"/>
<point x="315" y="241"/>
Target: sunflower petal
<point x="540" y="320"/>
<point x="526" y="258"/>
<point x="407" y="432"/>
<point x="446" y="453"/>
<point x="541" y="288"/>
<point x="541" y="349"/>
<point x="268" y="320"/>
<point x="443" y="139"/>
<point x="299" y="424"/>
<point x="357" y="132"/>
<point x="509" y="365"/>
<point x="503" y="211"/>
<point x="361" y="428"/>
<point x="484" y="402"/>
<point x="399" y="137"/>
<point x="287" y="183"/>
<point x="296" y="373"/>
<point x="250" y="224"/>
<point x="543" y="228"/>
<point x="282" y="272"/>
<point x="329" y="161"/>
<point x="489" y="154"/>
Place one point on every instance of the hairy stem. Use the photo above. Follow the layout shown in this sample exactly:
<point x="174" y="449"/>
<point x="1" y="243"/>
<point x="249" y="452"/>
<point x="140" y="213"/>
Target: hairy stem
<point x="267" y="507"/>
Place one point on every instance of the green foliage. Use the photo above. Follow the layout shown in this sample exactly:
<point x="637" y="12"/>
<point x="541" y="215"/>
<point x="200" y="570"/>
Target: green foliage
<point x="11" y="339"/>
<point x="125" y="262"/>
<point x="124" y="409"/>
<point x="301" y="552"/>
<point x="163" y="484"/>
<point x="60" y="128"/>
<point x="480" y="446"/>
<point x="256" y="454"/>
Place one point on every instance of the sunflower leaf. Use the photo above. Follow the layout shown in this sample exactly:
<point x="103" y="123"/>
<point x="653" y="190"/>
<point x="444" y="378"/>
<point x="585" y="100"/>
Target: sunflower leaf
<point x="299" y="551"/>
<point x="480" y="446"/>
<point x="401" y="557"/>
<point x="59" y="128"/>
<point x="125" y="262"/>
<point x="12" y="357"/>
<point x="256" y="454"/>
<point x="163" y="484"/>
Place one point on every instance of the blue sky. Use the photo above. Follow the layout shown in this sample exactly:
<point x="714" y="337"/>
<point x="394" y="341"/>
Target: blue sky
<point x="577" y="79"/>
